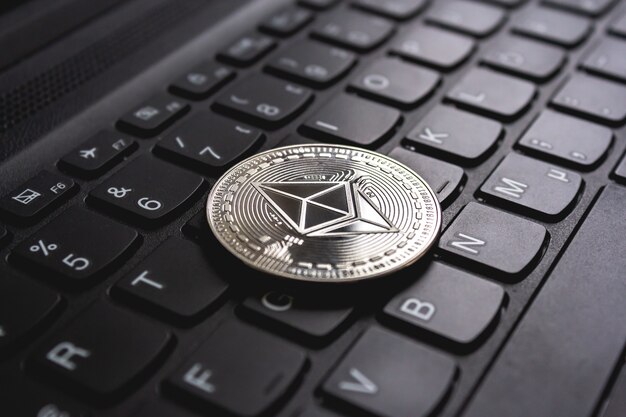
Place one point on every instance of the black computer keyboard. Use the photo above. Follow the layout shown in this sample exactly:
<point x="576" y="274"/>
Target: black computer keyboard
<point x="116" y="300"/>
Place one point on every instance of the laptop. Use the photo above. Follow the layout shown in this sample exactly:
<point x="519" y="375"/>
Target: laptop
<point x="119" y="297"/>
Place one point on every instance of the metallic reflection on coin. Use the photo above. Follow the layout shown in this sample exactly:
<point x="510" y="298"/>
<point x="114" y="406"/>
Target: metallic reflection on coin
<point x="324" y="213"/>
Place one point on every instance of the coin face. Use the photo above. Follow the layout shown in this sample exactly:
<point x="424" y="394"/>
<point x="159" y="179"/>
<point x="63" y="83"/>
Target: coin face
<point x="324" y="213"/>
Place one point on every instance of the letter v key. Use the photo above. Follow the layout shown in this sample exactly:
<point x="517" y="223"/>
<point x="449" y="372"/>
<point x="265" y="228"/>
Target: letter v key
<point x="364" y="385"/>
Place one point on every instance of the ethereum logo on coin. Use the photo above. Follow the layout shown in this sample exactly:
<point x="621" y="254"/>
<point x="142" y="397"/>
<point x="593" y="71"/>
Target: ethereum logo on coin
<point x="325" y="209"/>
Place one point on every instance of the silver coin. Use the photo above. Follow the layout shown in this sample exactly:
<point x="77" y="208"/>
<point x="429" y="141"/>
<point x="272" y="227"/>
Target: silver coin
<point x="324" y="213"/>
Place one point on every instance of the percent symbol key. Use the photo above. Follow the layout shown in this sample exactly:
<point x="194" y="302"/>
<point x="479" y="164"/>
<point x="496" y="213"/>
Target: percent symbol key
<point x="75" y="246"/>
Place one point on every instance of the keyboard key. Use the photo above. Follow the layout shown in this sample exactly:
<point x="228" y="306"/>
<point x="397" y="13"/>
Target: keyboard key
<point x="37" y="196"/>
<point x="618" y="26"/>
<point x="394" y="82"/>
<point x="202" y="81"/>
<point x="567" y="139"/>
<point x="318" y="4"/>
<point x="353" y="120"/>
<point x="593" y="98"/>
<point x="177" y="279"/>
<point x="434" y="47"/>
<point x="615" y="404"/>
<point x="394" y="9"/>
<point x="308" y="318"/>
<point x="494" y="240"/>
<point x="465" y="16"/>
<point x="98" y="154"/>
<point x="449" y="303"/>
<point x="287" y="21"/>
<point x="247" y="50"/>
<point x="76" y="245"/>
<point x="444" y="178"/>
<point x="29" y="399"/>
<point x="353" y="30"/>
<point x="527" y="184"/>
<point x="587" y="7"/>
<point x="153" y="116"/>
<point x="377" y="378"/>
<point x="312" y="63"/>
<point x="24" y="307"/>
<point x="525" y="58"/>
<point x="102" y="352"/>
<point x="552" y="26"/>
<point x="192" y="145"/>
<point x="563" y="353"/>
<point x="496" y="95"/>
<point x="239" y="362"/>
<point x="620" y="171"/>
<point x="607" y="59"/>
<point x="264" y="100"/>
<point x="455" y="134"/>
<point x="147" y="190"/>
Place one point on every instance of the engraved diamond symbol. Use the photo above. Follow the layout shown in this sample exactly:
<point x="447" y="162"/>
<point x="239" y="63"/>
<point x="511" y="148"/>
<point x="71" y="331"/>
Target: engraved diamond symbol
<point x="318" y="208"/>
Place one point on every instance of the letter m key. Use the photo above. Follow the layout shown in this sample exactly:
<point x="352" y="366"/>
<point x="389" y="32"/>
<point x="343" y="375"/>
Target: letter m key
<point x="511" y="187"/>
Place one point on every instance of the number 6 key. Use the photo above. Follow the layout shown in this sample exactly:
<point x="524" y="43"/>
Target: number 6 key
<point x="76" y="246"/>
<point x="147" y="190"/>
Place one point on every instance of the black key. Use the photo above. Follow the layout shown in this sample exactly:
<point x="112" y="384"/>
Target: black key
<point x="587" y="7"/>
<point x="434" y="47"/>
<point x="620" y="170"/>
<point x="526" y="58"/>
<point x="353" y="30"/>
<point x="465" y="16"/>
<point x="312" y="411"/>
<point x="449" y="303"/>
<point x="37" y="196"/>
<point x="177" y="278"/>
<point x="494" y="240"/>
<point x="563" y="353"/>
<point x="147" y="189"/>
<point x="77" y="245"/>
<point x="153" y="116"/>
<point x="307" y="317"/>
<point x="264" y="100"/>
<point x="354" y="120"/>
<point x="456" y="134"/>
<point x="377" y="378"/>
<point x="24" y="307"/>
<point x="247" y="49"/>
<point x="594" y="98"/>
<point x="618" y="26"/>
<point x="239" y="362"/>
<point x="209" y="141"/>
<point x="395" y="82"/>
<point x="287" y="21"/>
<point x="607" y="59"/>
<point x="552" y="26"/>
<point x="312" y="63"/>
<point x="567" y="139"/>
<point x="318" y="4"/>
<point x="488" y="92"/>
<point x="102" y="352"/>
<point x="25" y="398"/>
<point x="527" y="184"/>
<point x="444" y="178"/>
<point x="98" y="154"/>
<point x="202" y="81"/>
<point x="394" y="9"/>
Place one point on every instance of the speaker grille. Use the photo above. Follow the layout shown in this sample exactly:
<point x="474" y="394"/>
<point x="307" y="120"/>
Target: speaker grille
<point x="23" y="101"/>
